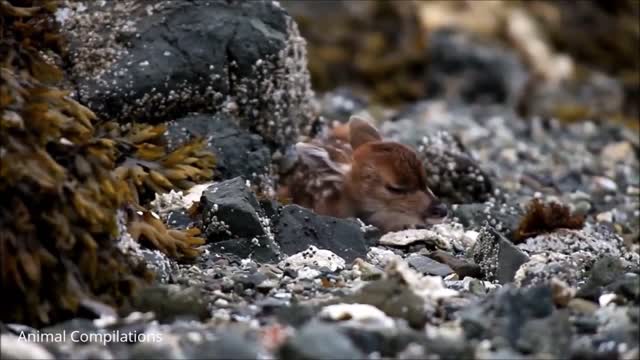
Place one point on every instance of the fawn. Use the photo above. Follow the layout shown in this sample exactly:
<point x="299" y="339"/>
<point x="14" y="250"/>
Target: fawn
<point x="352" y="172"/>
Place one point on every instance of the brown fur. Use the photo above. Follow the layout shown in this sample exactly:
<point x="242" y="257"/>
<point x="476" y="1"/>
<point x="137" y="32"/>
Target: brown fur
<point x="383" y="183"/>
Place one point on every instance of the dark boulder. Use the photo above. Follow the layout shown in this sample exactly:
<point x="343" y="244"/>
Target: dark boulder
<point x="231" y="210"/>
<point x="153" y="61"/>
<point x="296" y="228"/>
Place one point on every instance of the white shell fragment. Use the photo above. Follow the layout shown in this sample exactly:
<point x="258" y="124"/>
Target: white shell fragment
<point x="361" y="315"/>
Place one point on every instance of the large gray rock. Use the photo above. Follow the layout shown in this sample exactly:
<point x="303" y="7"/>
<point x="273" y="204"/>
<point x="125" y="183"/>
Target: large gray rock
<point x="296" y="228"/>
<point x="148" y="60"/>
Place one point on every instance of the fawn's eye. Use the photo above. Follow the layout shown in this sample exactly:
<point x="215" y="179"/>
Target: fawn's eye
<point x="396" y="189"/>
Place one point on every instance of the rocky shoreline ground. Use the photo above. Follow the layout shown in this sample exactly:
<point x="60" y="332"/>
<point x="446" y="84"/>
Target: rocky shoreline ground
<point x="278" y="281"/>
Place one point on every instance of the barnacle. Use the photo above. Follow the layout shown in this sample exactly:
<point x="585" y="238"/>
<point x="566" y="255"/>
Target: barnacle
<point x="542" y="218"/>
<point x="63" y="177"/>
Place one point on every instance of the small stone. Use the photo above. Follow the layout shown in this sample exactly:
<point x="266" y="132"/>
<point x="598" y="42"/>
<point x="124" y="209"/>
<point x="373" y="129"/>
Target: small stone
<point x="221" y="302"/>
<point x="498" y="258"/>
<point x="367" y="271"/>
<point x="606" y="299"/>
<point x="290" y="272"/>
<point x="582" y="306"/>
<point x="604" y="271"/>
<point x="606" y="216"/>
<point x="428" y="266"/>
<point x="474" y="286"/>
<point x="617" y="152"/>
<point x="436" y="236"/>
<point x="230" y="209"/>
<point x="561" y="292"/>
<point x="380" y="257"/>
<point x="314" y="258"/>
<point x="605" y="184"/>
<point x="461" y="266"/>
<point x="359" y="315"/>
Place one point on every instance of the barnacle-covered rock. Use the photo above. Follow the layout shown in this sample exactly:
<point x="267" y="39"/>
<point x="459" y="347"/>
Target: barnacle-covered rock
<point x="497" y="257"/>
<point x="160" y="59"/>
<point x="452" y="173"/>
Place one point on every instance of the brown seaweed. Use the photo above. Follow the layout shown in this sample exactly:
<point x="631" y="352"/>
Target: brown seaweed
<point x="543" y="217"/>
<point x="63" y="178"/>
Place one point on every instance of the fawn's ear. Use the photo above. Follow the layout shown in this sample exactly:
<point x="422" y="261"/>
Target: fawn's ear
<point x="361" y="132"/>
<point x="318" y="159"/>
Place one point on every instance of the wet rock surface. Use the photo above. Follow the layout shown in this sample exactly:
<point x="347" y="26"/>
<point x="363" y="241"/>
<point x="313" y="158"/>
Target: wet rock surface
<point x="238" y="152"/>
<point x="296" y="228"/>
<point x="159" y="60"/>
<point x="231" y="208"/>
<point x="279" y="281"/>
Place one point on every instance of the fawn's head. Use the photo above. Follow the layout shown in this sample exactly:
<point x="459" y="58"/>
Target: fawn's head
<point x="385" y="183"/>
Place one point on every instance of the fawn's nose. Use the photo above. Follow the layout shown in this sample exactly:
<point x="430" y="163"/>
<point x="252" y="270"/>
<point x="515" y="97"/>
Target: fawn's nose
<point x="437" y="210"/>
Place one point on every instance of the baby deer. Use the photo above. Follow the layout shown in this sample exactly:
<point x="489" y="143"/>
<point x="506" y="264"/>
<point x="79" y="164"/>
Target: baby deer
<point x="354" y="173"/>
